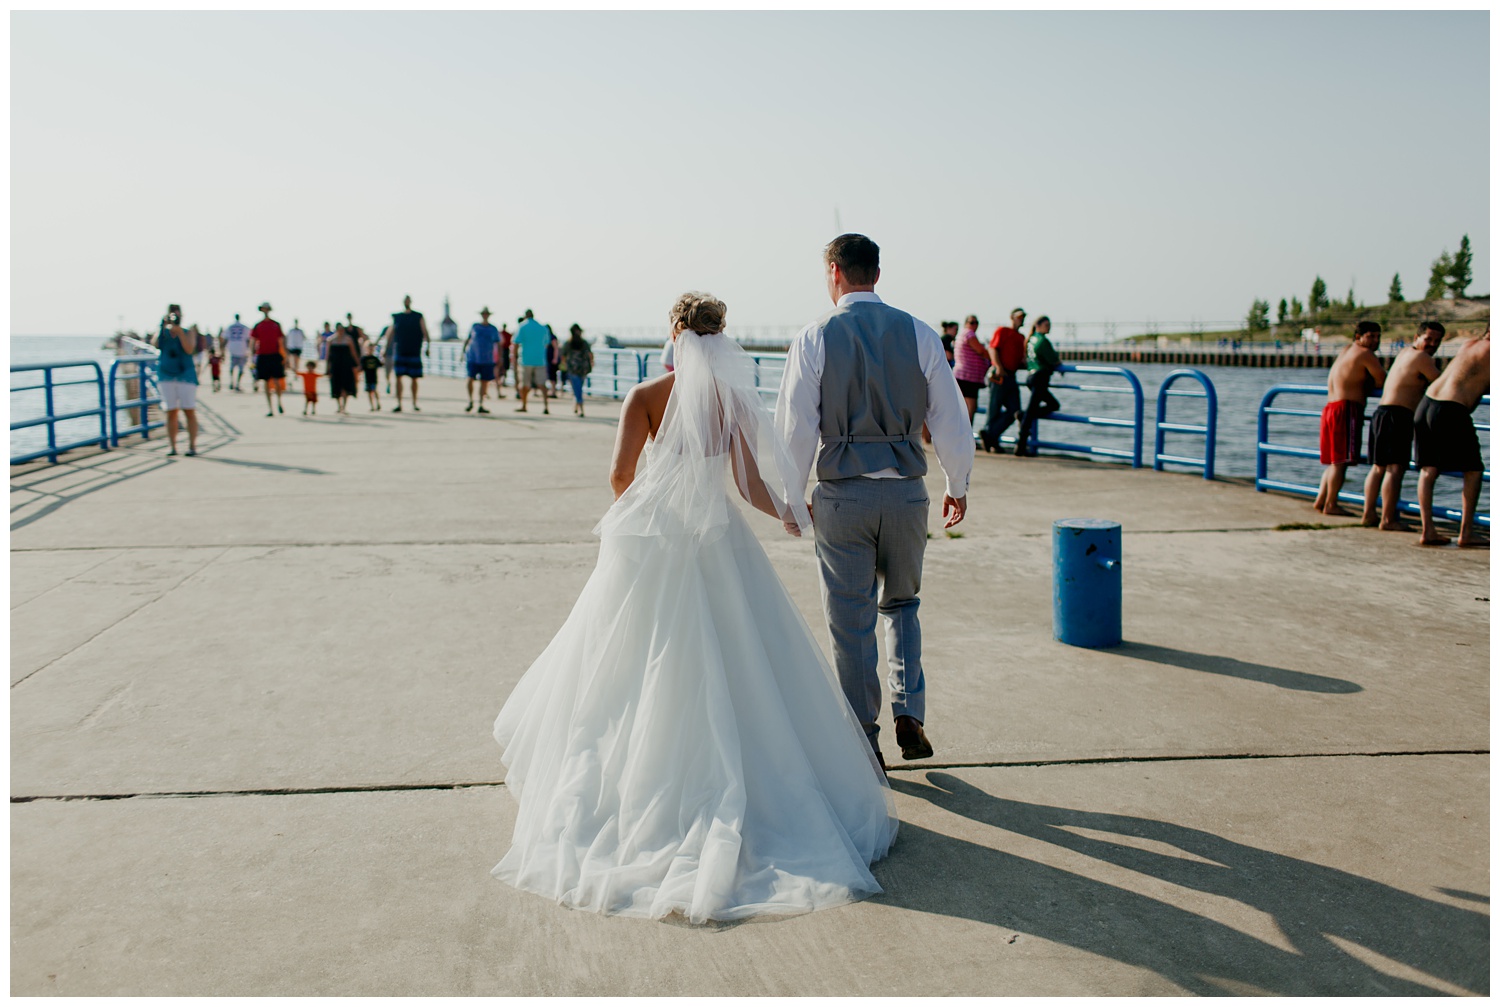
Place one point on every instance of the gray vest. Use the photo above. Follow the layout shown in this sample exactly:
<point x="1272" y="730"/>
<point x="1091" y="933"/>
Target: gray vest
<point x="874" y="393"/>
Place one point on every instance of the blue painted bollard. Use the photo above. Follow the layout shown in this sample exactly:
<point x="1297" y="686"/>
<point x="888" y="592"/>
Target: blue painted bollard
<point x="1086" y="582"/>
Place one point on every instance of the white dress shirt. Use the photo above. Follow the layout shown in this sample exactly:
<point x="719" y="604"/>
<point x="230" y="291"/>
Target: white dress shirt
<point x="798" y="422"/>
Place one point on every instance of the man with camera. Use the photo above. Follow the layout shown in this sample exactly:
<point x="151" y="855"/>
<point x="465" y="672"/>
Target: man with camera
<point x="177" y="378"/>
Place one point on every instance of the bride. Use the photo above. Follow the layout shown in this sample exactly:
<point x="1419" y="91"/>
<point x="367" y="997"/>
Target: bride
<point x="682" y="746"/>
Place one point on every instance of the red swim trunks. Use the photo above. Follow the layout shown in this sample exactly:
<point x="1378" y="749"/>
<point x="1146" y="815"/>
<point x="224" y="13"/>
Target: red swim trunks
<point x="1339" y="439"/>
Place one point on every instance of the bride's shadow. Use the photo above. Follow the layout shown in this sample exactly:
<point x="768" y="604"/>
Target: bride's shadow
<point x="934" y="873"/>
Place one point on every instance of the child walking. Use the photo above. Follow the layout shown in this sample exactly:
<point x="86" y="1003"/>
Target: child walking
<point x="310" y="389"/>
<point x="370" y="364"/>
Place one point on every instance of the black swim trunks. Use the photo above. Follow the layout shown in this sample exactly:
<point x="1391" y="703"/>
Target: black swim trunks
<point x="1390" y="435"/>
<point x="269" y="366"/>
<point x="1445" y="437"/>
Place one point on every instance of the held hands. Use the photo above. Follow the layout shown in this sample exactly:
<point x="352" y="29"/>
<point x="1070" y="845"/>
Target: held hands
<point x="791" y="526"/>
<point x="954" y="510"/>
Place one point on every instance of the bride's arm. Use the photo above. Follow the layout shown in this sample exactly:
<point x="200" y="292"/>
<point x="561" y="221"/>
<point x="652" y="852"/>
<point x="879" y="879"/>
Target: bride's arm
<point x="630" y="441"/>
<point x="752" y="485"/>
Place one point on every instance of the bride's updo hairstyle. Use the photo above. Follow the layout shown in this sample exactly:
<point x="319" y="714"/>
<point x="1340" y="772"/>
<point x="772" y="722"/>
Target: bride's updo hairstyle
<point x="699" y="312"/>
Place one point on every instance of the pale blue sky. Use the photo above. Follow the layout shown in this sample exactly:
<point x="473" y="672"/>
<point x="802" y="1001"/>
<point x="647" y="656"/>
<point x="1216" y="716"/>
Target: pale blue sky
<point x="593" y="166"/>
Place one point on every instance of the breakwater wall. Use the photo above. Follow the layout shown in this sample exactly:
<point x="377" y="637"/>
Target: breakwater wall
<point x="1182" y="356"/>
<point x="1206" y="356"/>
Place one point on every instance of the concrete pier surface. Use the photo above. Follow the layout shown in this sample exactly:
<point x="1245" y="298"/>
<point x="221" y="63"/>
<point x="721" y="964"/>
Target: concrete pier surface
<point x="252" y="694"/>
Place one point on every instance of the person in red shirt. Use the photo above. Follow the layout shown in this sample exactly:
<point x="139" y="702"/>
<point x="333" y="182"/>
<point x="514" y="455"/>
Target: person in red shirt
<point x="502" y="360"/>
<point x="1007" y="355"/>
<point x="270" y="356"/>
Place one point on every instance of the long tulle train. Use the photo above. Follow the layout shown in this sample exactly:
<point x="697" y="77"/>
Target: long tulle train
<point x="682" y="746"/>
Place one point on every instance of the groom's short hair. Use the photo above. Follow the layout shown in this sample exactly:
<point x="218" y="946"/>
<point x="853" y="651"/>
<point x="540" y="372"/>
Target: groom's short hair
<point x="857" y="257"/>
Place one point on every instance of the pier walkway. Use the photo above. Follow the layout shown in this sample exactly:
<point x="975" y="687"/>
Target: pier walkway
<point x="252" y="695"/>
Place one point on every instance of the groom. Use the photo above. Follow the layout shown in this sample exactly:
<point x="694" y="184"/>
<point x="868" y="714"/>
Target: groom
<point x="859" y="383"/>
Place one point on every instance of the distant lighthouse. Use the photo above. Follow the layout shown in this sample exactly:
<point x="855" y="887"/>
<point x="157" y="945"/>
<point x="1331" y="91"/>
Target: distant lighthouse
<point x="449" y="327"/>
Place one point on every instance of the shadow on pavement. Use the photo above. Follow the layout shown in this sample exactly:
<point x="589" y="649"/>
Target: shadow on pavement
<point x="934" y="873"/>
<point x="1459" y="893"/>
<point x="1233" y="667"/>
<point x="268" y="466"/>
<point x="77" y="474"/>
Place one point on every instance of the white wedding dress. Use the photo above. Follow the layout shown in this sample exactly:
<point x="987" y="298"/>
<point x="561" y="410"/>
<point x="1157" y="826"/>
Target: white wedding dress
<point x="682" y="745"/>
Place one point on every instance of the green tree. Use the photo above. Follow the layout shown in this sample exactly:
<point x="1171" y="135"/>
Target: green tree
<point x="1317" y="300"/>
<point x="1349" y="304"/>
<point x="1296" y="308"/>
<point x="1257" y="320"/>
<point x="1281" y="312"/>
<point x="1461" y="272"/>
<point x="1393" y="296"/>
<point x="1442" y="271"/>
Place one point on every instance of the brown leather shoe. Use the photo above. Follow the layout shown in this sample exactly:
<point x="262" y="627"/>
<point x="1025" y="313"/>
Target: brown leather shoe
<point x="912" y="739"/>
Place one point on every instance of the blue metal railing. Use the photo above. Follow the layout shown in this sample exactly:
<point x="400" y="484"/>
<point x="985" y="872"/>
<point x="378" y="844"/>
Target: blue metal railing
<point x="147" y="394"/>
<point x="615" y="372"/>
<point x="1265" y="449"/>
<point x="1209" y="428"/>
<point x="1135" y="423"/>
<point x="52" y="418"/>
<point x="444" y="360"/>
<point x="651" y="364"/>
<point x="768" y="370"/>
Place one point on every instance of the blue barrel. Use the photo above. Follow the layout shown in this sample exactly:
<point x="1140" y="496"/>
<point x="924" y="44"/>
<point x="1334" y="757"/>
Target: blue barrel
<point x="1086" y="582"/>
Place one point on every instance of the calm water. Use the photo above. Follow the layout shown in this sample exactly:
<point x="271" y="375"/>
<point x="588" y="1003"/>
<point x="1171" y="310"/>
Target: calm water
<point x="1239" y="390"/>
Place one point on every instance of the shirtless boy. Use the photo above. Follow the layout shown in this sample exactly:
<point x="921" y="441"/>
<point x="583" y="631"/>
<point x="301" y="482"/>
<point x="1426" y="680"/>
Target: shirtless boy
<point x="1355" y="373"/>
<point x="1446" y="441"/>
<point x="1391" y="426"/>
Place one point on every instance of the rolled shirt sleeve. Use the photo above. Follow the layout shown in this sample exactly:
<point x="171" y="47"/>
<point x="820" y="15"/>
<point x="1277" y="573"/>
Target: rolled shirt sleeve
<point x="797" y="420"/>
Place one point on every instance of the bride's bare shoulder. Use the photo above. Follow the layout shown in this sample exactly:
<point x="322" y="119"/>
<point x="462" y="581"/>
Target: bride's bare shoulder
<point x="661" y="385"/>
<point x="648" y="401"/>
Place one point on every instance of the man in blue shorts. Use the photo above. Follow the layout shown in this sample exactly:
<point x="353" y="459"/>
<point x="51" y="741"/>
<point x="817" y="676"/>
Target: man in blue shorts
<point x="479" y="355"/>
<point x="410" y="340"/>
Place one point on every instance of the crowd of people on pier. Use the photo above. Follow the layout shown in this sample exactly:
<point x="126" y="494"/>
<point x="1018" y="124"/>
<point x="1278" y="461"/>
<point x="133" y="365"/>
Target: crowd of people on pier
<point x="997" y="364"/>
<point x="539" y="361"/>
<point x="1420" y="407"/>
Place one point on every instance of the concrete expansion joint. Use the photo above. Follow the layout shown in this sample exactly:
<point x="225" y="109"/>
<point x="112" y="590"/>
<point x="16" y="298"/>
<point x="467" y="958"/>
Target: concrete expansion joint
<point x="1002" y="764"/>
<point x="139" y="608"/>
<point x="371" y="788"/>
<point x="1123" y="760"/>
<point x="1169" y="531"/>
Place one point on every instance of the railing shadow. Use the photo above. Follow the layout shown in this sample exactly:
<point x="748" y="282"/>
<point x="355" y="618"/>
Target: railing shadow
<point x="934" y="873"/>
<point x="39" y="490"/>
<point x="1233" y="667"/>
